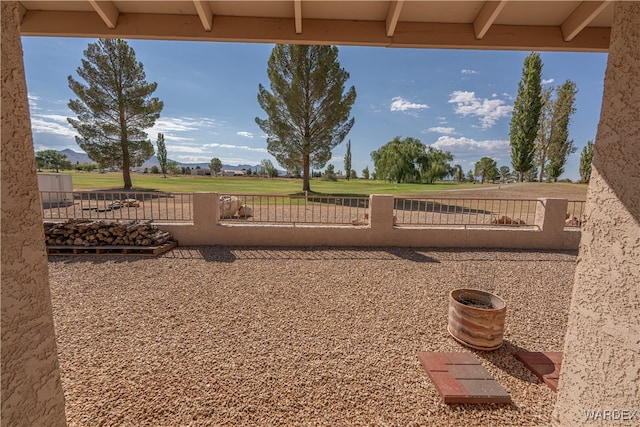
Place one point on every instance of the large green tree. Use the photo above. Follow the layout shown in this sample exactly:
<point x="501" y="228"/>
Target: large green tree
<point x="435" y="165"/>
<point x="397" y="160"/>
<point x="215" y="165"/>
<point x="114" y="106"/>
<point x="267" y="168"/>
<point x="347" y="161"/>
<point x="52" y="159"/>
<point x="409" y="160"/>
<point x="162" y="154"/>
<point x="307" y="108"/>
<point x="586" y="158"/>
<point x="486" y="168"/>
<point x="457" y="173"/>
<point x="504" y="172"/>
<point x="560" y="146"/>
<point x="525" y="120"/>
<point x="365" y="172"/>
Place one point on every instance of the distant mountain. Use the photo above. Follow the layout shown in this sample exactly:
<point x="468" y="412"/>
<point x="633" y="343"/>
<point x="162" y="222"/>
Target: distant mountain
<point x="78" y="158"/>
<point x="75" y="157"/>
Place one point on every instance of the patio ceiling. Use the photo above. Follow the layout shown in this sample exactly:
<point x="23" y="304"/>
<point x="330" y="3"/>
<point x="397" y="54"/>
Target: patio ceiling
<point x="515" y="24"/>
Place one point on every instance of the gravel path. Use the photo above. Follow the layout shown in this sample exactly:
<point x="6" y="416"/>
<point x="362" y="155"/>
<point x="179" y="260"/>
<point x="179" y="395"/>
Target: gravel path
<point x="292" y="336"/>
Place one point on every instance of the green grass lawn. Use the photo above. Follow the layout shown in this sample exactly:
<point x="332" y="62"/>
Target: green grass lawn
<point x="355" y="188"/>
<point x="251" y="185"/>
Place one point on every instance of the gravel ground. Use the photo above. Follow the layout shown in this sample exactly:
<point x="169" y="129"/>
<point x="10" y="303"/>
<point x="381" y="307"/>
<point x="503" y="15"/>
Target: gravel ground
<point x="207" y="336"/>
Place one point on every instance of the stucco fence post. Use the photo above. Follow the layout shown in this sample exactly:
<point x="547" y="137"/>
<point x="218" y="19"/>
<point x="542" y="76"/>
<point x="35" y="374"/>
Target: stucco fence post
<point x="550" y="215"/>
<point x="205" y="210"/>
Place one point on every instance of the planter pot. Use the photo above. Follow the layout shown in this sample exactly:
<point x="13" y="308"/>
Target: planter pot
<point x="476" y="318"/>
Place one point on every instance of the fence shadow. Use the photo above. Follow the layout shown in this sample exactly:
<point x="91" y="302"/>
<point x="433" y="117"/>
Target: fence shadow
<point x="120" y="194"/>
<point x="414" y="205"/>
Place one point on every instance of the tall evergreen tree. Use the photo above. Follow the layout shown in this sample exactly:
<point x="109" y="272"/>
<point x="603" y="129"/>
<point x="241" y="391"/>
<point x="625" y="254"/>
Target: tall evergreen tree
<point x="542" y="141"/>
<point x="586" y="158"/>
<point x="347" y="161"/>
<point x="526" y="115"/>
<point x="162" y="154"/>
<point x="307" y="108"/>
<point x="560" y="146"/>
<point x="114" y="107"/>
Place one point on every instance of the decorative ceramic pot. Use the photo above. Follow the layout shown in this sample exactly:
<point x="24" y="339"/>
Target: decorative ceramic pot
<point x="476" y="318"/>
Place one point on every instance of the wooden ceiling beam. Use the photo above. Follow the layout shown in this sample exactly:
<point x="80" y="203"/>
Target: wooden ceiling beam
<point x="316" y="31"/>
<point x="393" y="15"/>
<point x="205" y="14"/>
<point x="108" y="12"/>
<point x="297" y="10"/>
<point x="581" y="17"/>
<point x="487" y="16"/>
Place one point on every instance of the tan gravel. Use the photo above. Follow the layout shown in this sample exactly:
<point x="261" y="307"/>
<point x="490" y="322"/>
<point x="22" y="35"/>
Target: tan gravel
<point x="293" y="336"/>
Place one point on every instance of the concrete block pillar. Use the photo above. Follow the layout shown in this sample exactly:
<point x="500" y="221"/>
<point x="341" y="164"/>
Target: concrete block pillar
<point x="550" y="215"/>
<point x="381" y="211"/>
<point x="206" y="208"/>
<point x="31" y="389"/>
<point x="601" y="363"/>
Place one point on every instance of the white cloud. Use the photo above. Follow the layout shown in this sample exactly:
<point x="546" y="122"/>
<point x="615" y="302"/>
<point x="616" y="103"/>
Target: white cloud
<point x="33" y="101"/>
<point x="400" y="104"/>
<point x="181" y="124"/>
<point x="463" y="146"/>
<point x="443" y="130"/>
<point x="235" y="147"/>
<point x="52" y="124"/>
<point x="171" y="127"/>
<point x="468" y="71"/>
<point x="169" y="137"/>
<point x="191" y="159"/>
<point x="488" y="110"/>
<point x="184" y="149"/>
<point x="245" y="134"/>
<point x="547" y="81"/>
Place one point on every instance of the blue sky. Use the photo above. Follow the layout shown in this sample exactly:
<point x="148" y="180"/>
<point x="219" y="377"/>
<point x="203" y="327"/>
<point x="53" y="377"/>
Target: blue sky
<point x="457" y="100"/>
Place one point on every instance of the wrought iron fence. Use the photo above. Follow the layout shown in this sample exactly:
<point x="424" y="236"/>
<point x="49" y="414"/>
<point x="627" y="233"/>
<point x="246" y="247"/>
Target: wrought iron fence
<point x="466" y="212"/>
<point x="293" y="209"/>
<point x="118" y="205"/>
<point x="575" y="214"/>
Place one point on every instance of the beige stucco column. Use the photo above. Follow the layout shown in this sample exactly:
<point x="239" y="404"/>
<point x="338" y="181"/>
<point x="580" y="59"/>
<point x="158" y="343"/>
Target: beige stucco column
<point x="31" y="389"/>
<point x="601" y="364"/>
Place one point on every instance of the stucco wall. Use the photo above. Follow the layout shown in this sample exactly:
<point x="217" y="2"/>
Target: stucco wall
<point x="31" y="389"/>
<point x="547" y="233"/>
<point x="601" y="365"/>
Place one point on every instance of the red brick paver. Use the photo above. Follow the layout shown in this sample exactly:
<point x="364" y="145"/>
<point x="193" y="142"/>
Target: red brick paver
<point x="544" y="365"/>
<point x="461" y="378"/>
